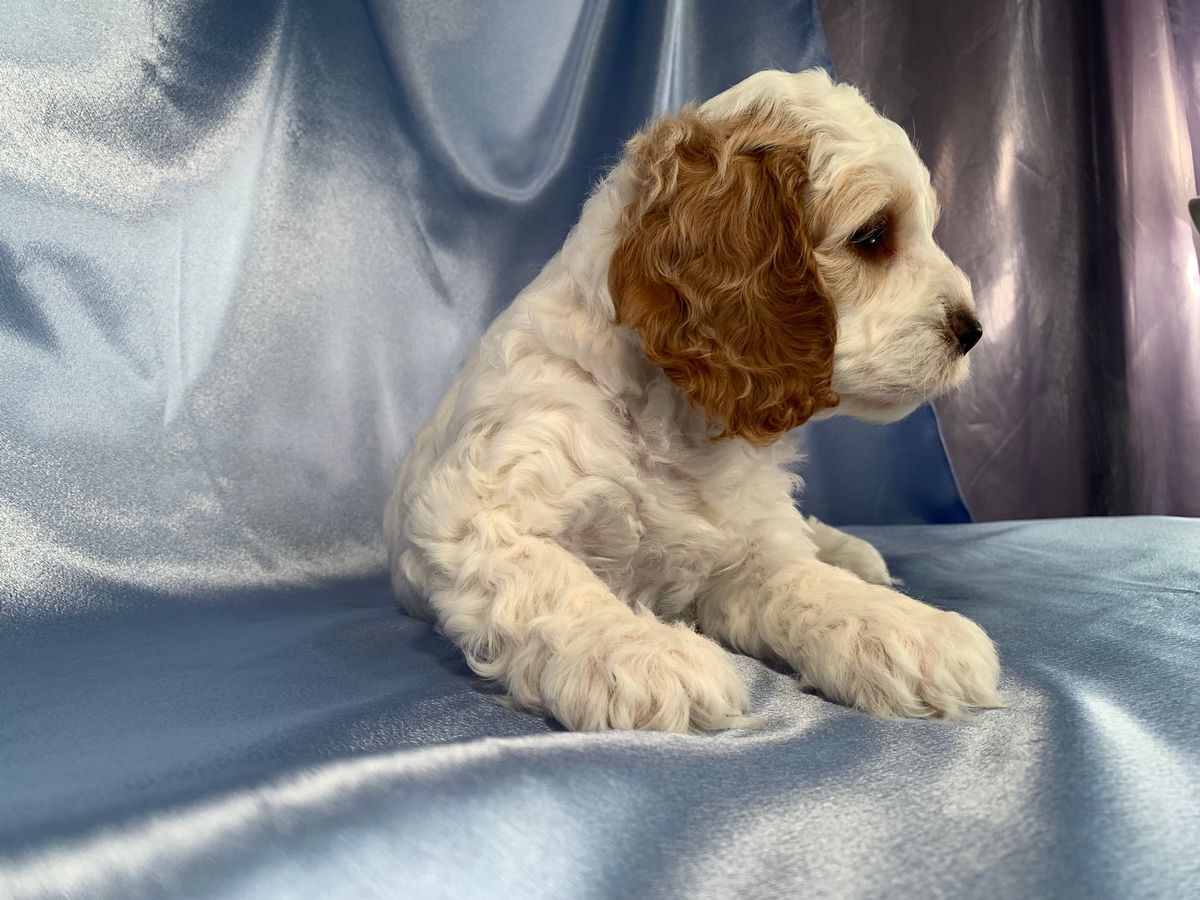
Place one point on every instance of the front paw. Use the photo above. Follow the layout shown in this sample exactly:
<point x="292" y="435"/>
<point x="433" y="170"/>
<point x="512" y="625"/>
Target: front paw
<point x="635" y="672"/>
<point x="888" y="655"/>
<point x="849" y="553"/>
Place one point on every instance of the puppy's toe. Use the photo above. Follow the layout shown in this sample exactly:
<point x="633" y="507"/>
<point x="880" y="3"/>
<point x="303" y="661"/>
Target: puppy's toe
<point x="901" y="658"/>
<point x="644" y="674"/>
<point x="850" y="553"/>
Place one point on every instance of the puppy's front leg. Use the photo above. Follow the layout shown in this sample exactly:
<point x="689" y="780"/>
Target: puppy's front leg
<point x="857" y="643"/>
<point x="479" y="540"/>
<point x="533" y="617"/>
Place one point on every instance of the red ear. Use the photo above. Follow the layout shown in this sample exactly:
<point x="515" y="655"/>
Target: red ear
<point x="714" y="271"/>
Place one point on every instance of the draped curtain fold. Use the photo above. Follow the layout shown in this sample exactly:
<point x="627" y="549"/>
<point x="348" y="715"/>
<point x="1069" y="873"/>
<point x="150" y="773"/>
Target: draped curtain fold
<point x="1062" y="138"/>
<point x="244" y="246"/>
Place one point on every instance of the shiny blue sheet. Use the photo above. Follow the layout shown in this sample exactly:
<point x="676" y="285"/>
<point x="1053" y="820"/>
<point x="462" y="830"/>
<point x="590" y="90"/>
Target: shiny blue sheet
<point x="244" y="245"/>
<point x="321" y="744"/>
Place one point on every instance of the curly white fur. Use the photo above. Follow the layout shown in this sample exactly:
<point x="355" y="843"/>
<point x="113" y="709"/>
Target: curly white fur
<point x="568" y="522"/>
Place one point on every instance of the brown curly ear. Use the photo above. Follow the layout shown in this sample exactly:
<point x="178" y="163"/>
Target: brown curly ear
<point x="714" y="271"/>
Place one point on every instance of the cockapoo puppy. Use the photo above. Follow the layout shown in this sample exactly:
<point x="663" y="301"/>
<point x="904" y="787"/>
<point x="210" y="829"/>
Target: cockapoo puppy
<point x="601" y="505"/>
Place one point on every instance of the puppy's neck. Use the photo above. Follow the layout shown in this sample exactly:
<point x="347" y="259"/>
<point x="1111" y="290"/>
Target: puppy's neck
<point x="569" y="304"/>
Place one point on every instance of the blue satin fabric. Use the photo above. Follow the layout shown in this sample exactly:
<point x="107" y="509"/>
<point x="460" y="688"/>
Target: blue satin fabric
<point x="245" y="246"/>
<point x="897" y="474"/>
<point x="321" y="744"/>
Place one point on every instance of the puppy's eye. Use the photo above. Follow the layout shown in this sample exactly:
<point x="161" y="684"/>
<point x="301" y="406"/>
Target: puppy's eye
<point x="873" y="240"/>
<point x="869" y="238"/>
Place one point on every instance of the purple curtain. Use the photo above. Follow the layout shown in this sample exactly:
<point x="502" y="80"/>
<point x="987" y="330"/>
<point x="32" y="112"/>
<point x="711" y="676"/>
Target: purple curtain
<point x="1059" y="137"/>
<point x="1160" y="286"/>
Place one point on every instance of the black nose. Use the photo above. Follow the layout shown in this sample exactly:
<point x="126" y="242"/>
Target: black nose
<point x="967" y="329"/>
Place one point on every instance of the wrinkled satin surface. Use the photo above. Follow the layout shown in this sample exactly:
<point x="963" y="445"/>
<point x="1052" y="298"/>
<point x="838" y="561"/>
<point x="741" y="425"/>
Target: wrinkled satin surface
<point x="245" y="246"/>
<point x="1060" y="136"/>
<point x="320" y="744"/>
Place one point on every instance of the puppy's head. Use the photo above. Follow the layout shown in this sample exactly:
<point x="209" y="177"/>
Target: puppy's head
<point x="777" y="260"/>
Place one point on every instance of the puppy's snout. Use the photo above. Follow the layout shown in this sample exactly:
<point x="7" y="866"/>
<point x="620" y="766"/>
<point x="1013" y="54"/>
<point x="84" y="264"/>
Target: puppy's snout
<point x="966" y="329"/>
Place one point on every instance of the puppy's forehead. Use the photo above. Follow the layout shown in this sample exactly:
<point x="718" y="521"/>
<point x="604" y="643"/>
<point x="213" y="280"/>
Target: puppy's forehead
<point x="813" y="102"/>
<point x="842" y="130"/>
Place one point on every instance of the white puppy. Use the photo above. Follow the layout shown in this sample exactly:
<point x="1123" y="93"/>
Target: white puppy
<point x="600" y="501"/>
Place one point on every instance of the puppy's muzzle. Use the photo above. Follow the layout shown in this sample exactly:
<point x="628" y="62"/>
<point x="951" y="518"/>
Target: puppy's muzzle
<point x="966" y="329"/>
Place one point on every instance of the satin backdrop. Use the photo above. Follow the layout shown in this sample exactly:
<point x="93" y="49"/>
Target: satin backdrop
<point x="320" y="744"/>
<point x="246" y="244"/>
<point x="1149" y="62"/>
<point x="243" y="247"/>
<point x="1061" y="137"/>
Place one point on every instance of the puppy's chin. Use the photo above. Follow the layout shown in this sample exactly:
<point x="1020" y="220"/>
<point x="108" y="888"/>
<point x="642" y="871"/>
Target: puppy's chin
<point x="877" y="412"/>
<point x="895" y="404"/>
